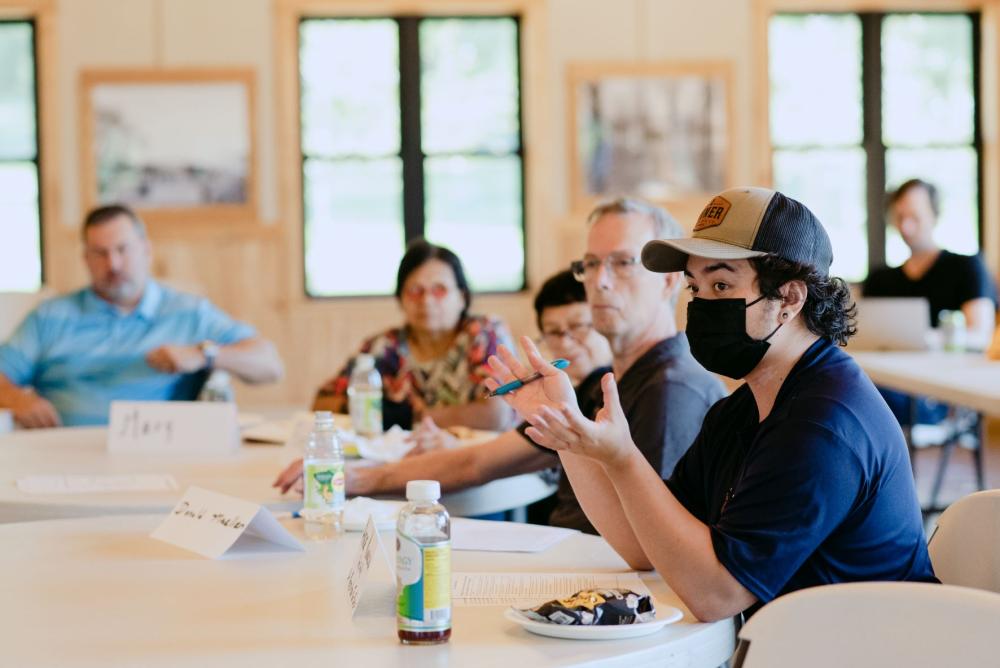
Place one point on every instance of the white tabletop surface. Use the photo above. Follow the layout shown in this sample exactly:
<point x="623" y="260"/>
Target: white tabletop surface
<point x="247" y="474"/>
<point x="964" y="379"/>
<point x="101" y="592"/>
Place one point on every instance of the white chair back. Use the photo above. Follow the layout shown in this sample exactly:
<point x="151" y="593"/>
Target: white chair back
<point x="14" y="306"/>
<point x="965" y="546"/>
<point x="874" y="624"/>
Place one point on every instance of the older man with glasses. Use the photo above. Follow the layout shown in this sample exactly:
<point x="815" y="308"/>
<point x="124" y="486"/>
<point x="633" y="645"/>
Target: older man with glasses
<point x="664" y="392"/>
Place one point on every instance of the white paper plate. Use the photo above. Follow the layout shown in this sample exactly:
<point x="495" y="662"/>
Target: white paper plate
<point x="665" y="614"/>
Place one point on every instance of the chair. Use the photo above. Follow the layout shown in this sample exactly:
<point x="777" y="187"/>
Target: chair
<point x="14" y="306"/>
<point x="962" y="427"/>
<point x="873" y="624"/>
<point x="965" y="545"/>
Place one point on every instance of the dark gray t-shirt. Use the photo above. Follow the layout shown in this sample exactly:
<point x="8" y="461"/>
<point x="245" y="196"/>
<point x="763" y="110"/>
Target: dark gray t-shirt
<point x="665" y="395"/>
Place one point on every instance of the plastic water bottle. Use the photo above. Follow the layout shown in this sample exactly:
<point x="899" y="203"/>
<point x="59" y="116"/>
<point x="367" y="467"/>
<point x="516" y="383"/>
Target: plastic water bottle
<point x="423" y="566"/>
<point x="218" y="387"/>
<point x="364" y="397"/>
<point x="323" y="480"/>
<point x="952" y="323"/>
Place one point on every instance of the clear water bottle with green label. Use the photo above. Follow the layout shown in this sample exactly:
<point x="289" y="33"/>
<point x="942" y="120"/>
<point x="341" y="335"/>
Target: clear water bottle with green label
<point x="423" y="566"/>
<point x="323" y="480"/>
<point x="952" y="324"/>
<point x="364" y="397"/>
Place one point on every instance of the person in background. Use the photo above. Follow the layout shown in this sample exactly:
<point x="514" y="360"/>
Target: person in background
<point x="665" y="393"/>
<point x="948" y="281"/>
<point x="564" y="319"/>
<point x="434" y="364"/>
<point x="799" y="478"/>
<point x="125" y="336"/>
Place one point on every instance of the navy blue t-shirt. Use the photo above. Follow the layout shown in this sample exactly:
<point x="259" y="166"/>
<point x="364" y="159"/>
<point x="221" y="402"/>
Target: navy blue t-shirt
<point x="819" y="492"/>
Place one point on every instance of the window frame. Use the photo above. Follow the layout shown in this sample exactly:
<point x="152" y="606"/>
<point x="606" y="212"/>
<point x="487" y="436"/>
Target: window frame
<point x="411" y="154"/>
<point x="31" y="20"/>
<point x="989" y="61"/>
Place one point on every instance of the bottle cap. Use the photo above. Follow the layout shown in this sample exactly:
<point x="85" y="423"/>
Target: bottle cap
<point x="423" y="490"/>
<point x="323" y="418"/>
<point x="364" y="362"/>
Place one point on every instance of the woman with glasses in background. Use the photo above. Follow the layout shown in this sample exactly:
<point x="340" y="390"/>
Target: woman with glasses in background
<point x="434" y="365"/>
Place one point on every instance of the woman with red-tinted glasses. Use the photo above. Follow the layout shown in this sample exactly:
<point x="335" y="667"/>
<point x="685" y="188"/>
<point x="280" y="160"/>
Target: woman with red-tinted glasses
<point x="435" y="364"/>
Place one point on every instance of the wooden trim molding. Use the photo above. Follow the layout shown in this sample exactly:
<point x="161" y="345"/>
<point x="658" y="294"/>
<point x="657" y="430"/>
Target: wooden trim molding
<point x="582" y="72"/>
<point x="211" y="215"/>
<point x="989" y="94"/>
<point x="534" y="89"/>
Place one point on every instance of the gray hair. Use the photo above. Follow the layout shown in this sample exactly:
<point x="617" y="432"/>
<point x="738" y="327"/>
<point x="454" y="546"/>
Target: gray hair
<point x="664" y="225"/>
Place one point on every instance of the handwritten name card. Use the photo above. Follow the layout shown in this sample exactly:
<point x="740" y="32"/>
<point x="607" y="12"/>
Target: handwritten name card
<point x="371" y="545"/>
<point x="173" y="427"/>
<point x="213" y="525"/>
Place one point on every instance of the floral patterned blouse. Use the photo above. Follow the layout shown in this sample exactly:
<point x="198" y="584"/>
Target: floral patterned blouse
<point x="456" y="378"/>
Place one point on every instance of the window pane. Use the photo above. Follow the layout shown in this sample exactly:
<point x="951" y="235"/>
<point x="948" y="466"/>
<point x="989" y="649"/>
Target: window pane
<point x="815" y="70"/>
<point x="20" y="252"/>
<point x="474" y="208"/>
<point x="832" y="184"/>
<point x="953" y="172"/>
<point x="17" y="92"/>
<point x="469" y="84"/>
<point x="349" y="72"/>
<point x="353" y="226"/>
<point x="927" y="90"/>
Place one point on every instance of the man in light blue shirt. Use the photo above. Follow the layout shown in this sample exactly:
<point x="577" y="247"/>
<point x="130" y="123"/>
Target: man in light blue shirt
<point x="124" y="337"/>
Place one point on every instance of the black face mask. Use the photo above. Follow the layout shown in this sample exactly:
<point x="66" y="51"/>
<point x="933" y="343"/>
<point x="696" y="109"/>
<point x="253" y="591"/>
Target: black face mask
<point x="717" y="332"/>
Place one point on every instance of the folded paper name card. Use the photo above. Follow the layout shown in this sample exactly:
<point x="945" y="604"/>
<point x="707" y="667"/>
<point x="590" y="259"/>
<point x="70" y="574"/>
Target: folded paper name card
<point x="173" y="427"/>
<point x="214" y="524"/>
<point x="380" y="573"/>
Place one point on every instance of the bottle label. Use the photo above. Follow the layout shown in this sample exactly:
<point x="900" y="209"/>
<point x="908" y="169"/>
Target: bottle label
<point x="324" y="485"/>
<point x="423" y="574"/>
<point x="366" y="413"/>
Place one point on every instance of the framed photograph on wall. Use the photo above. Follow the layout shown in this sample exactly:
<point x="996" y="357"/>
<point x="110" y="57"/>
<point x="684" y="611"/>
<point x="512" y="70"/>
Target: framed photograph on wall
<point x="177" y="145"/>
<point x="660" y="131"/>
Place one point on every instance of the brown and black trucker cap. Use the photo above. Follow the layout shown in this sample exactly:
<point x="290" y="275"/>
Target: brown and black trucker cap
<point x="741" y="223"/>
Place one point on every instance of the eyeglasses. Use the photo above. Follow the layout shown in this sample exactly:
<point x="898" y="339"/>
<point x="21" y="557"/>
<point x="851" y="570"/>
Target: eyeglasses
<point x="578" y="332"/>
<point x="620" y="266"/>
<point x="417" y="292"/>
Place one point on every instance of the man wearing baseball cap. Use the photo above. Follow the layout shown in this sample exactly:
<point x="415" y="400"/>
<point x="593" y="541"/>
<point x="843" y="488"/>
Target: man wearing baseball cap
<point x="799" y="478"/>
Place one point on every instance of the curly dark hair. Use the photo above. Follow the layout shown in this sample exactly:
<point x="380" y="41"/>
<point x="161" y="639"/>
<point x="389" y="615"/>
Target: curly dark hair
<point x="829" y="310"/>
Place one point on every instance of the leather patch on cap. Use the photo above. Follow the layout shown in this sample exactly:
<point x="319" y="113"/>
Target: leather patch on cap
<point x="713" y="214"/>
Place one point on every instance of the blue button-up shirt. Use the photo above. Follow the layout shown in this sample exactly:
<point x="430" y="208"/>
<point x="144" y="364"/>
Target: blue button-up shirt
<point x="81" y="352"/>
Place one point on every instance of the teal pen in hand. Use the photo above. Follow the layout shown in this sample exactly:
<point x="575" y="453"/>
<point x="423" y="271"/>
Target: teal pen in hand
<point x="521" y="382"/>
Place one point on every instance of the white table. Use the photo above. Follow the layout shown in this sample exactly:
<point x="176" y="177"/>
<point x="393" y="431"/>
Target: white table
<point x="100" y="592"/>
<point x="247" y="473"/>
<point x="962" y="379"/>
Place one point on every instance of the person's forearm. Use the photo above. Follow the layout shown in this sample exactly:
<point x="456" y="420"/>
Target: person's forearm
<point x="600" y="502"/>
<point x="10" y="394"/>
<point x="677" y="543"/>
<point x="490" y="414"/>
<point x="459" y="468"/>
<point x="454" y="469"/>
<point x="252" y="360"/>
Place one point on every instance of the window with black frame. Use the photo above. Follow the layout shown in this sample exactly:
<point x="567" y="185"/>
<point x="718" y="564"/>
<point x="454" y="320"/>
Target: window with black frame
<point x="410" y="127"/>
<point x="860" y="103"/>
<point x="21" y="250"/>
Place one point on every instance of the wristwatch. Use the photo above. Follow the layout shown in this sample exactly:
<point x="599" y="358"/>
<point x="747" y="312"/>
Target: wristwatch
<point x="210" y="349"/>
